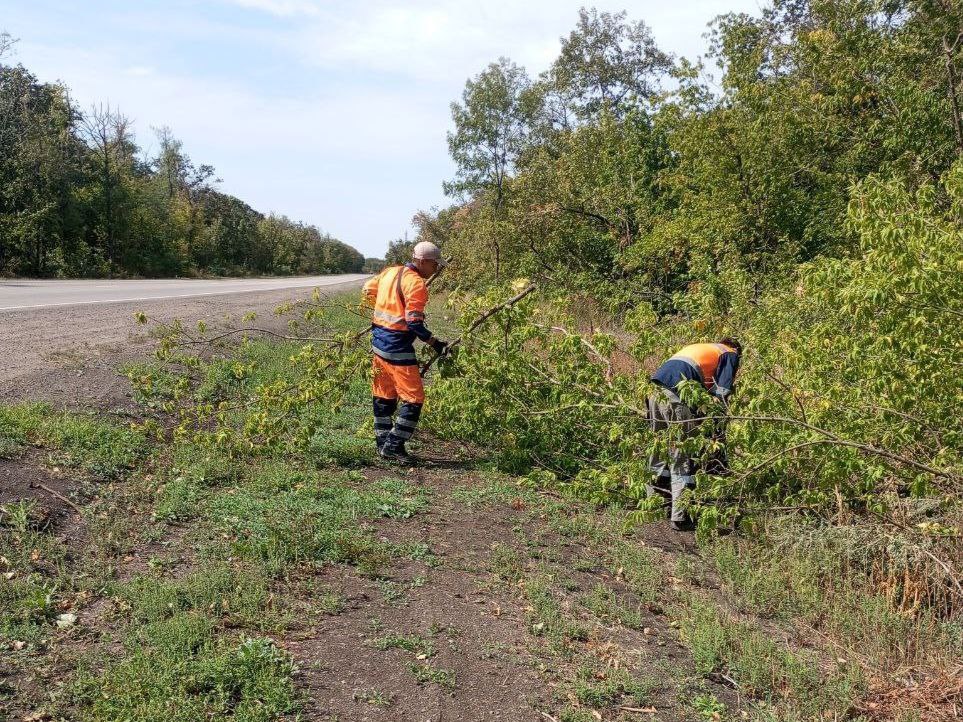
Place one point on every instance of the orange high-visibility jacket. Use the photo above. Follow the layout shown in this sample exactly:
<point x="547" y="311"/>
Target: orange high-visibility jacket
<point x="399" y="296"/>
<point x="713" y="364"/>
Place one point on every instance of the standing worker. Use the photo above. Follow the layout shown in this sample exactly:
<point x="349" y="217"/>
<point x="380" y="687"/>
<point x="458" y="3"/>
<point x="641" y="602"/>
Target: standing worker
<point x="399" y="295"/>
<point x="712" y="364"/>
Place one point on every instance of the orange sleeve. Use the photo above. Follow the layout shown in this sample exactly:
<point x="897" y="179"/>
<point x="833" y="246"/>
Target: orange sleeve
<point x="416" y="297"/>
<point x="370" y="291"/>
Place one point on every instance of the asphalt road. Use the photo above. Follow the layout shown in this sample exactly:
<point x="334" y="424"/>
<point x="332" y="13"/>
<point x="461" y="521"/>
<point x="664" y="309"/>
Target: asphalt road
<point x="17" y="295"/>
<point x="63" y="340"/>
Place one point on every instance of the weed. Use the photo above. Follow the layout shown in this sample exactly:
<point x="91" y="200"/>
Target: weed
<point x="782" y="581"/>
<point x="572" y="714"/>
<point x="178" y="664"/>
<point x="217" y="589"/>
<point x="334" y="448"/>
<point x="179" y="500"/>
<point x="104" y="450"/>
<point x="505" y="564"/>
<point x="578" y="525"/>
<point x="762" y="666"/>
<point x="708" y="707"/>
<point x="329" y="603"/>
<point x="549" y="620"/>
<point x="419" y="552"/>
<point x="599" y="688"/>
<point x="429" y="674"/>
<point x="309" y="524"/>
<point x="34" y="576"/>
<point x="607" y="606"/>
<point x="636" y="566"/>
<point x="18" y="515"/>
<point x="496" y="489"/>
<point x="393" y="592"/>
<point x="410" y="643"/>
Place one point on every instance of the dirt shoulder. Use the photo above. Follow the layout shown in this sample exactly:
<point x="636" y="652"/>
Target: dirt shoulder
<point x="68" y="355"/>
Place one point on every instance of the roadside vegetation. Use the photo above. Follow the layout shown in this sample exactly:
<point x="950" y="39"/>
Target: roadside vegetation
<point x="216" y="541"/>
<point x="798" y="188"/>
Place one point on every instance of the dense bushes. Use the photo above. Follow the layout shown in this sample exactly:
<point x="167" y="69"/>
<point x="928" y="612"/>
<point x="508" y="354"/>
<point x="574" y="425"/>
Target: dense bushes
<point x="810" y="206"/>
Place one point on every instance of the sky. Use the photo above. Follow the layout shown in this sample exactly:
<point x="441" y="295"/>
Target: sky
<point x="331" y="112"/>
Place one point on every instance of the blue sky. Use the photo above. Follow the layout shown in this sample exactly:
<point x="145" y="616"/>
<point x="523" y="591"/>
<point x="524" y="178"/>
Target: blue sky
<point x="330" y="112"/>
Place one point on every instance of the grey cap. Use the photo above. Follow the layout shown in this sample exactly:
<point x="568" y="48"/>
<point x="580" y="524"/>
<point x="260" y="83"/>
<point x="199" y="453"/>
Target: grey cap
<point x="427" y="251"/>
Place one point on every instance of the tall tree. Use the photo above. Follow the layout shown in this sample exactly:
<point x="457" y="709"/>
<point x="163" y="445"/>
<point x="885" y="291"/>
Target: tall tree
<point x="107" y="133"/>
<point x="491" y="126"/>
<point x="606" y="64"/>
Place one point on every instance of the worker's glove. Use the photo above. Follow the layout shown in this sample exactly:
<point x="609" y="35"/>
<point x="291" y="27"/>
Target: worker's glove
<point x="439" y="346"/>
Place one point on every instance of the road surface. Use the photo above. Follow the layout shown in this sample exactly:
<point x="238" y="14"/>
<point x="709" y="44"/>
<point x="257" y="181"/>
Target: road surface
<point x="16" y="295"/>
<point x="63" y="340"/>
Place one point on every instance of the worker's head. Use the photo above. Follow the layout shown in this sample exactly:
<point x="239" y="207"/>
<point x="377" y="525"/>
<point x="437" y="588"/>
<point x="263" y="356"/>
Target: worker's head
<point x="732" y="343"/>
<point x="426" y="258"/>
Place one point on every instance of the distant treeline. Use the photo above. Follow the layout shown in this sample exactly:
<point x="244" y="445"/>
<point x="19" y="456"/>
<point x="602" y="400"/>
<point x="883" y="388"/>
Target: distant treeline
<point x="78" y="198"/>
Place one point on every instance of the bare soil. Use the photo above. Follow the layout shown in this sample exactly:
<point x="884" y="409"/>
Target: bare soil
<point x="480" y="629"/>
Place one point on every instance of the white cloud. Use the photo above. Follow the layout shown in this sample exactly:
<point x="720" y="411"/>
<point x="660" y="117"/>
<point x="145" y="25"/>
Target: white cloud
<point x="431" y="40"/>
<point x="282" y="8"/>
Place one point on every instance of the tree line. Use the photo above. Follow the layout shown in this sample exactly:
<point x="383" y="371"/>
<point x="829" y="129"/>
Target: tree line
<point x="79" y="198"/>
<point x="628" y="168"/>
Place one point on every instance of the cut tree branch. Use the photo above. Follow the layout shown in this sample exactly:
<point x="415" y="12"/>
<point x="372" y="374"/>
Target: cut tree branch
<point x="478" y="322"/>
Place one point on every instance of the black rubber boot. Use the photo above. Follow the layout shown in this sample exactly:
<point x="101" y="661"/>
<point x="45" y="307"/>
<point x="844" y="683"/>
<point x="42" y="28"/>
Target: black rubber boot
<point x="395" y="454"/>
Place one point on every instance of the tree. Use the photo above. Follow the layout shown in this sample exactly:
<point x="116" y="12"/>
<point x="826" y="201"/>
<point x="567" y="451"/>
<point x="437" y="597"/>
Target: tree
<point x="491" y="125"/>
<point x="40" y="163"/>
<point x="399" y="251"/>
<point x="107" y="133"/>
<point x="7" y="41"/>
<point x="490" y="128"/>
<point x="605" y="64"/>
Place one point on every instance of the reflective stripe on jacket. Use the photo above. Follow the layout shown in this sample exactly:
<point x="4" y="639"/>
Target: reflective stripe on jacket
<point x="399" y="296"/>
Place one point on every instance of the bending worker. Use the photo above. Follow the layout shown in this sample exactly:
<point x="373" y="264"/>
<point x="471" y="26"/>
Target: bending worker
<point x="399" y="296"/>
<point x="712" y="364"/>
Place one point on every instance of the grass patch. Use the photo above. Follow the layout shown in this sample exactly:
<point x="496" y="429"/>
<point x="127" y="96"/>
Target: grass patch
<point x="763" y="667"/>
<point x="601" y="688"/>
<point x="35" y="577"/>
<point x="505" y="564"/>
<point x="179" y="667"/>
<point x="637" y="568"/>
<point x="294" y="517"/>
<point x="216" y="589"/>
<point x="604" y="603"/>
<point x="104" y="450"/>
<point x="495" y="489"/>
<point x="549" y="620"/>
<point x="816" y="584"/>
<point x="428" y="674"/>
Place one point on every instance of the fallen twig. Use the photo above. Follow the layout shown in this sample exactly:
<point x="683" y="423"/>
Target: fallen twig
<point x="64" y="499"/>
<point x="254" y="329"/>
